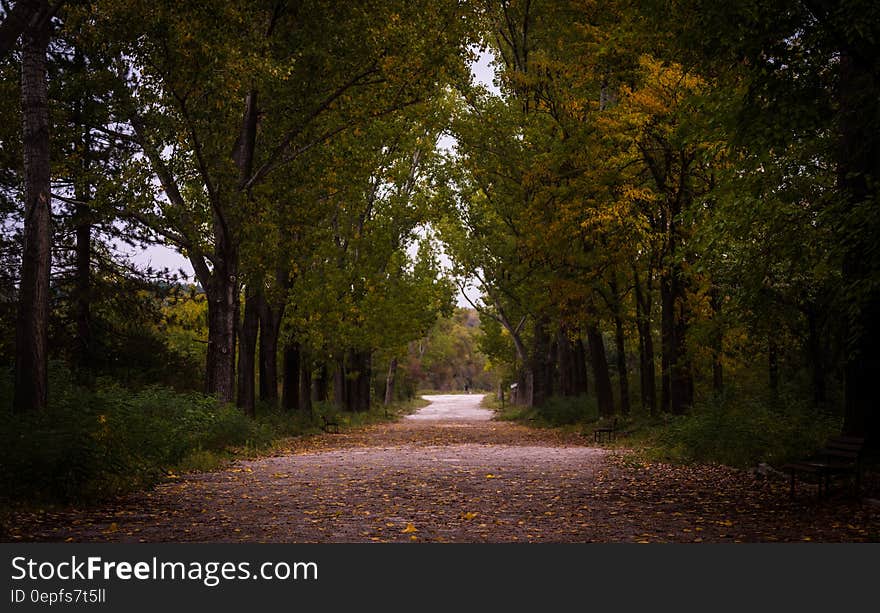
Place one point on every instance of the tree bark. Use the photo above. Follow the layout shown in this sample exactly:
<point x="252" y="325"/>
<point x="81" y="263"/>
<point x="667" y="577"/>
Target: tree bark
<point x="773" y="365"/>
<point x="270" y="327"/>
<point x="290" y="396"/>
<point x="816" y="353"/>
<point x="717" y="342"/>
<point x="340" y="385"/>
<point x="305" y="384"/>
<point x="668" y="345"/>
<point x="622" y="374"/>
<point x="32" y="328"/>
<point x="620" y="346"/>
<point x="599" y="361"/>
<point x="389" y="381"/>
<point x="246" y="353"/>
<point x="23" y="16"/>
<point x="358" y="381"/>
<point x="581" y="380"/>
<point x="542" y="382"/>
<point x="647" y="373"/>
<point x="222" y="294"/>
<point x="858" y="172"/>
<point x="82" y="217"/>
<point x="322" y="384"/>
<point x="83" y="299"/>
<point x="566" y="363"/>
<point x="677" y="378"/>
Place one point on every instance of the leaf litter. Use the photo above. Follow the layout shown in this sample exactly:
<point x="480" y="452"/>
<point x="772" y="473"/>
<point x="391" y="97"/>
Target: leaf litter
<point x="475" y="482"/>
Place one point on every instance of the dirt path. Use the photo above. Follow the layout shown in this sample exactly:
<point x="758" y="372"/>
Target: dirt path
<point x="449" y="473"/>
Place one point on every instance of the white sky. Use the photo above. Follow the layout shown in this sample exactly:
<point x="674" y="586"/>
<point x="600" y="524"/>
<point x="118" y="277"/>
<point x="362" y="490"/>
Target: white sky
<point x="159" y="257"/>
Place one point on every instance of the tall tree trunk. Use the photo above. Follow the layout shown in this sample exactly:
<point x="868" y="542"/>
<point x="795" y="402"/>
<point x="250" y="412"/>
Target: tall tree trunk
<point x="270" y="327"/>
<point x="816" y="353"/>
<point x="84" y="352"/>
<point x="389" y="381"/>
<point x="581" y="381"/>
<point x="305" y="384"/>
<point x="717" y="341"/>
<point x="83" y="315"/>
<point x="365" y="378"/>
<point x="682" y="384"/>
<point x="773" y="364"/>
<point x="22" y="16"/>
<point x="599" y="361"/>
<point x="32" y="328"/>
<point x="620" y="346"/>
<point x="566" y="363"/>
<point x="542" y="382"/>
<point x="246" y="352"/>
<point x="858" y="173"/>
<point x="622" y="374"/>
<point x="667" y="341"/>
<point x="340" y="385"/>
<point x="677" y="377"/>
<point x="223" y="284"/>
<point x="647" y="373"/>
<point x="358" y="381"/>
<point x="322" y="383"/>
<point x="290" y="396"/>
<point x="222" y="322"/>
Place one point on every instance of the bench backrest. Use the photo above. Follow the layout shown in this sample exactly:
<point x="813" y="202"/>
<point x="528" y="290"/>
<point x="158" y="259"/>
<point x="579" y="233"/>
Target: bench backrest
<point x="844" y="447"/>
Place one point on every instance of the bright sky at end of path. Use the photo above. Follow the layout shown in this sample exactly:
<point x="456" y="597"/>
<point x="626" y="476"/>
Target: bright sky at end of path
<point x="159" y="257"/>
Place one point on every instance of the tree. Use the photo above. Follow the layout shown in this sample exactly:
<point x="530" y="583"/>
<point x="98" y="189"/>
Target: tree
<point x="796" y="71"/>
<point x="32" y="330"/>
<point x="227" y="97"/>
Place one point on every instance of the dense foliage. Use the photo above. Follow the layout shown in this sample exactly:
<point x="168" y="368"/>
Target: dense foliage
<point x="669" y="208"/>
<point x="671" y="202"/>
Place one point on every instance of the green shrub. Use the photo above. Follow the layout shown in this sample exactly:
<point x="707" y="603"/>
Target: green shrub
<point x="745" y="431"/>
<point x="556" y="411"/>
<point x="96" y="443"/>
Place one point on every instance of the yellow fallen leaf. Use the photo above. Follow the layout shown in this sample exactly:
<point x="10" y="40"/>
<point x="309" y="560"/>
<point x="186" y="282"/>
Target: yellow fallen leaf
<point x="112" y="528"/>
<point x="491" y="476"/>
<point x="409" y="528"/>
<point x="469" y="515"/>
<point x="413" y="538"/>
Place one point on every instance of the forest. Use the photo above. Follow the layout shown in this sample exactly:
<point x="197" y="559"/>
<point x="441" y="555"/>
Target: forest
<point x="668" y="209"/>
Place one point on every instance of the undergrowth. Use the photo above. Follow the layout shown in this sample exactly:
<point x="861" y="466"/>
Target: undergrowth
<point x="740" y="431"/>
<point x="558" y="411"/>
<point x="95" y="443"/>
<point x="743" y="432"/>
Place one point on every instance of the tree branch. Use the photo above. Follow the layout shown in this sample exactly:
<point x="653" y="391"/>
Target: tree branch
<point x="284" y="145"/>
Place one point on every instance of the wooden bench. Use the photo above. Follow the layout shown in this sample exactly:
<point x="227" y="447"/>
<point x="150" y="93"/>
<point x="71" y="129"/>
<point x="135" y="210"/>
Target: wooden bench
<point x="841" y="456"/>
<point x="329" y="424"/>
<point x="605" y="433"/>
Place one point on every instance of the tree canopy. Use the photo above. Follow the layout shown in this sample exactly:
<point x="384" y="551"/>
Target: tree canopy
<point x="671" y="201"/>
